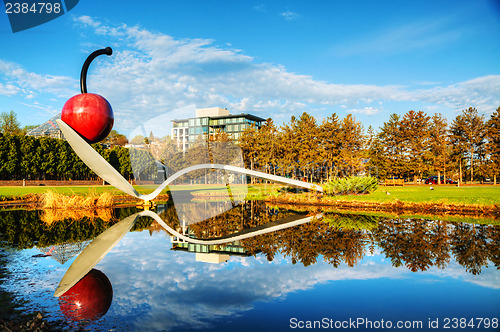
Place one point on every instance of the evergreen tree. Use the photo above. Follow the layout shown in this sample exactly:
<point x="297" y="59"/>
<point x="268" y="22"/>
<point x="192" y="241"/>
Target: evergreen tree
<point x="289" y="143"/>
<point x="439" y="145"/>
<point x="391" y="139"/>
<point x="351" y="139"/>
<point x="10" y="156"/>
<point x="306" y="135"/>
<point x="468" y="136"/>
<point x="268" y="146"/>
<point x="47" y="154"/>
<point x="247" y="143"/>
<point x="493" y="145"/>
<point x="378" y="161"/>
<point x="329" y="144"/>
<point x="415" y="133"/>
<point x="27" y="150"/>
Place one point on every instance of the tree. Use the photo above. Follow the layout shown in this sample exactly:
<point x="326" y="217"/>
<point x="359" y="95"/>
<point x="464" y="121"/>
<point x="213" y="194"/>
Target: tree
<point x="138" y="140"/>
<point x="115" y="138"/>
<point x="467" y="136"/>
<point x="29" y="145"/>
<point x="247" y="143"/>
<point x="9" y="123"/>
<point x="306" y="134"/>
<point x="288" y="142"/>
<point x="438" y="145"/>
<point x="415" y="134"/>
<point x="378" y="161"/>
<point x="9" y="151"/>
<point x="268" y="146"/>
<point x="493" y="145"/>
<point x="329" y="143"/>
<point x="391" y="139"/>
<point x="351" y="141"/>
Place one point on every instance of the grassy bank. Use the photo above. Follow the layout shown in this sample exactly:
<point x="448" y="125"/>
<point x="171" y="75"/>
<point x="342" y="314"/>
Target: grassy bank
<point x="449" y="194"/>
<point x="482" y="195"/>
<point x="9" y="192"/>
<point x="18" y="191"/>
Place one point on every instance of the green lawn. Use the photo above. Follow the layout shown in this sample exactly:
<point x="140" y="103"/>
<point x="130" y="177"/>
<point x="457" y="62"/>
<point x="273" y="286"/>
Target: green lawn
<point x="481" y="195"/>
<point x="10" y="191"/>
<point x="67" y="190"/>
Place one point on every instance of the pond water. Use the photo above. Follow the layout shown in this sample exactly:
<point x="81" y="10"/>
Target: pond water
<point x="282" y="269"/>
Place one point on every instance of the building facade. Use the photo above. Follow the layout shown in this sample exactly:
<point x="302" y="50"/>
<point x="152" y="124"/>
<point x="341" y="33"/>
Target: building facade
<point x="209" y="121"/>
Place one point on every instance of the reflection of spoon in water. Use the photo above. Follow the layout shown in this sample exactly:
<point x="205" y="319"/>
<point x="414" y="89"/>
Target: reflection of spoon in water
<point x="103" y="244"/>
<point x="283" y="223"/>
<point x="94" y="253"/>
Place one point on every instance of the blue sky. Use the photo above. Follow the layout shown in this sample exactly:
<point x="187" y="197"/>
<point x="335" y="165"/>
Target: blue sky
<point x="269" y="58"/>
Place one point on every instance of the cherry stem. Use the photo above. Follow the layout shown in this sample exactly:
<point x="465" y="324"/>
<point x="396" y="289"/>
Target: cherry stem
<point x="90" y="58"/>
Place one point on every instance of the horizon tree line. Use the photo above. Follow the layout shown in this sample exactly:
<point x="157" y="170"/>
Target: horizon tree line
<point x="411" y="146"/>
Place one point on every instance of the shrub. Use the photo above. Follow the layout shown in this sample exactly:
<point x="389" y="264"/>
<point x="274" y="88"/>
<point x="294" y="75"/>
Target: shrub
<point x="351" y="185"/>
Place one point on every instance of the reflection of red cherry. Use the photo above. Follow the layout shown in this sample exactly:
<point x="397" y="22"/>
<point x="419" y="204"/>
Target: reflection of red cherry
<point x="89" y="299"/>
<point x="89" y="114"/>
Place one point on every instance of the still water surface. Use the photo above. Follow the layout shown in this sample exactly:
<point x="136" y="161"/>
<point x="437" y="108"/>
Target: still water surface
<point x="335" y="269"/>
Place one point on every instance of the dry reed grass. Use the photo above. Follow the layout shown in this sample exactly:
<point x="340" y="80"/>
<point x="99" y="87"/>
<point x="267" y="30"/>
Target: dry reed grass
<point x="57" y="207"/>
<point x="53" y="200"/>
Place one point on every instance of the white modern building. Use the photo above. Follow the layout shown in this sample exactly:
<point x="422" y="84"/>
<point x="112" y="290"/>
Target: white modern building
<point x="209" y="121"/>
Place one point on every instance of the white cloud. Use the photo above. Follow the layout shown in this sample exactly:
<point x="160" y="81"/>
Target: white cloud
<point x="482" y="93"/>
<point x="365" y="111"/>
<point x="29" y="83"/>
<point x="8" y="89"/>
<point x="289" y="15"/>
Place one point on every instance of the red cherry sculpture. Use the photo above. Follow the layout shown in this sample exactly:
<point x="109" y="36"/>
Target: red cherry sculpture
<point x="89" y="299"/>
<point x="89" y="114"/>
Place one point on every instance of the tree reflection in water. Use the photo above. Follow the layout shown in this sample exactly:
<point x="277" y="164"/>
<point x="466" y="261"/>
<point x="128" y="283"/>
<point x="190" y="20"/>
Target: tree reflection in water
<point x="417" y="244"/>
